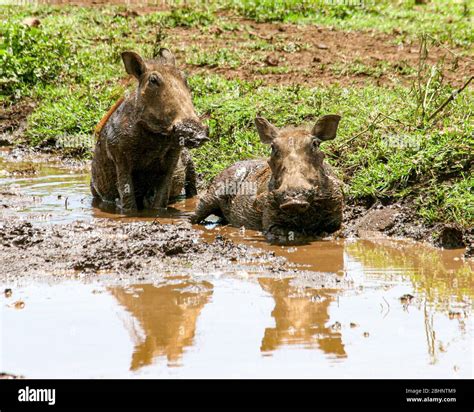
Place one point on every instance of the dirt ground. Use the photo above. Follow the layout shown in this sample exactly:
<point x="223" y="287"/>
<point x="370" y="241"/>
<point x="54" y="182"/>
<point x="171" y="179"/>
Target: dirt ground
<point x="318" y="55"/>
<point x="302" y="54"/>
<point x="139" y="252"/>
<point x="399" y="220"/>
<point x="13" y="121"/>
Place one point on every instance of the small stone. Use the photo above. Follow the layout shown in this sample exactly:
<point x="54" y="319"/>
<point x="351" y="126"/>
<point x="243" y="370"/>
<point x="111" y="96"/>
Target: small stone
<point x="407" y="298"/>
<point x="353" y="325"/>
<point x="336" y="326"/>
<point x="216" y="31"/>
<point x="322" y="46"/>
<point x="366" y="334"/>
<point x="31" y="22"/>
<point x="19" y="304"/>
<point x="454" y="315"/>
<point x="271" y="61"/>
<point x="8" y="293"/>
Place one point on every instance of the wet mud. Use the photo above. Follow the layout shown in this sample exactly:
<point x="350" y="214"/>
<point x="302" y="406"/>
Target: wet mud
<point x="51" y="229"/>
<point x="136" y="251"/>
<point x="29" y="178"/>
<point x="151" y="295"/>
<point x="399" y="220"/>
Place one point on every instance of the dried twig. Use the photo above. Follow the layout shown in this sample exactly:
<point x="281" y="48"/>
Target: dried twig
<point x="395" y="120"/>
<point x="427" y="88"/>
<point x="439" y="44"/>
<point x="373" y="123"/>
<point x="450" y="98"/>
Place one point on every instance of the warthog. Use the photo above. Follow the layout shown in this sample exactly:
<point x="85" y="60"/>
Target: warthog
<point x="140" y="158"/>
<point x="294" y="193"/>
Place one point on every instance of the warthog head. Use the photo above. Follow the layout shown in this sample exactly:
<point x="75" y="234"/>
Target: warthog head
<point x="163" y="99"/>
<point x="299" y="183"/>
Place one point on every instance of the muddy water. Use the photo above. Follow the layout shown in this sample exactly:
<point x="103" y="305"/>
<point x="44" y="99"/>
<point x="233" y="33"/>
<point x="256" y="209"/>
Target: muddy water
<point x="409" y="313"/>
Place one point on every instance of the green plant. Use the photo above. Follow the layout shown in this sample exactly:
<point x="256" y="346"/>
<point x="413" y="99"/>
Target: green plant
<point x="218" y="58"/>
<point x="189" y="17"/>
<point x="29" y="55"/>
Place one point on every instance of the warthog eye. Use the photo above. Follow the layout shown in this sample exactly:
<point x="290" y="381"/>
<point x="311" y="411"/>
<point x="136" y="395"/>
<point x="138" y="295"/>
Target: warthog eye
<point x="315" y="144"/>
<point x="154" y="79"/>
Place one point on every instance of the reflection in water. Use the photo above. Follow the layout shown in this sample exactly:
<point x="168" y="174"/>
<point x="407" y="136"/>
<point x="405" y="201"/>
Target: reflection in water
<point x="319" y="256"/>
<point x="181" y="209"/>
<point x="440" y="279"/>
<point x="300" y="317"/>
<point x="439" y="276"/>
<point x="167" y="314"/>
<point x="351" y="333"/>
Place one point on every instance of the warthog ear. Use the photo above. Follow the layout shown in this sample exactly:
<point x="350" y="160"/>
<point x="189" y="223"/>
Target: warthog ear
<point x="326" y="127"/>
<point x="166" y="57"/>
<point x="134" y="64"/>
<point x="266" y="130"/>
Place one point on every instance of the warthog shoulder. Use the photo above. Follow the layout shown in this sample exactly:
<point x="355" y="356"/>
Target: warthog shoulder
<point x="106" y="117"/>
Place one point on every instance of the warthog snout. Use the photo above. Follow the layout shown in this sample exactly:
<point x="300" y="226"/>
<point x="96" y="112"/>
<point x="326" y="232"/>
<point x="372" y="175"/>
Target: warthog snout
<point x="295" y="206"/>
<point x="191" y="133"/>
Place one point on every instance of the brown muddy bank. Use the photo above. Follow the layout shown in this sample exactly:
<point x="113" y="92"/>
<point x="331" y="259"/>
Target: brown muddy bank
<point x="397" y="220"/>
<point x="137" y="251"/>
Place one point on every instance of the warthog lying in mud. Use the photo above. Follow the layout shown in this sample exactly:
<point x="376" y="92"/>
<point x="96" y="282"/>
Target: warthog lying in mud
<point x="140" y="158"/>
<point x="295" y="193"/>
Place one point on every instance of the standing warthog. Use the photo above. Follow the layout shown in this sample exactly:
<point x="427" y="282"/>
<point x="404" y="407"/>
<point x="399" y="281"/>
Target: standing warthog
<point x="140" y="158"/>
<point x="294" y="193"/>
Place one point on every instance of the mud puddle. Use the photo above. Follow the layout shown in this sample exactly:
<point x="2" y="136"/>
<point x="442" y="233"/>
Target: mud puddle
<point x="389" y="325"/>
<point x="43" y="192"/>
<point x="404" y="310"/>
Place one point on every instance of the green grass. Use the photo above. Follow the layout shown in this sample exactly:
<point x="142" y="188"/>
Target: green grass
<point x="358" y="67"/>
<point x="224" y="58"/>
<point x="188" y="17"/>
<point x="30" y="56"/>
<point x="273" y="70"/>
<point x="71" y="67"/>
<point x="448" y="20"/>
<point x="390" y="161"/>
